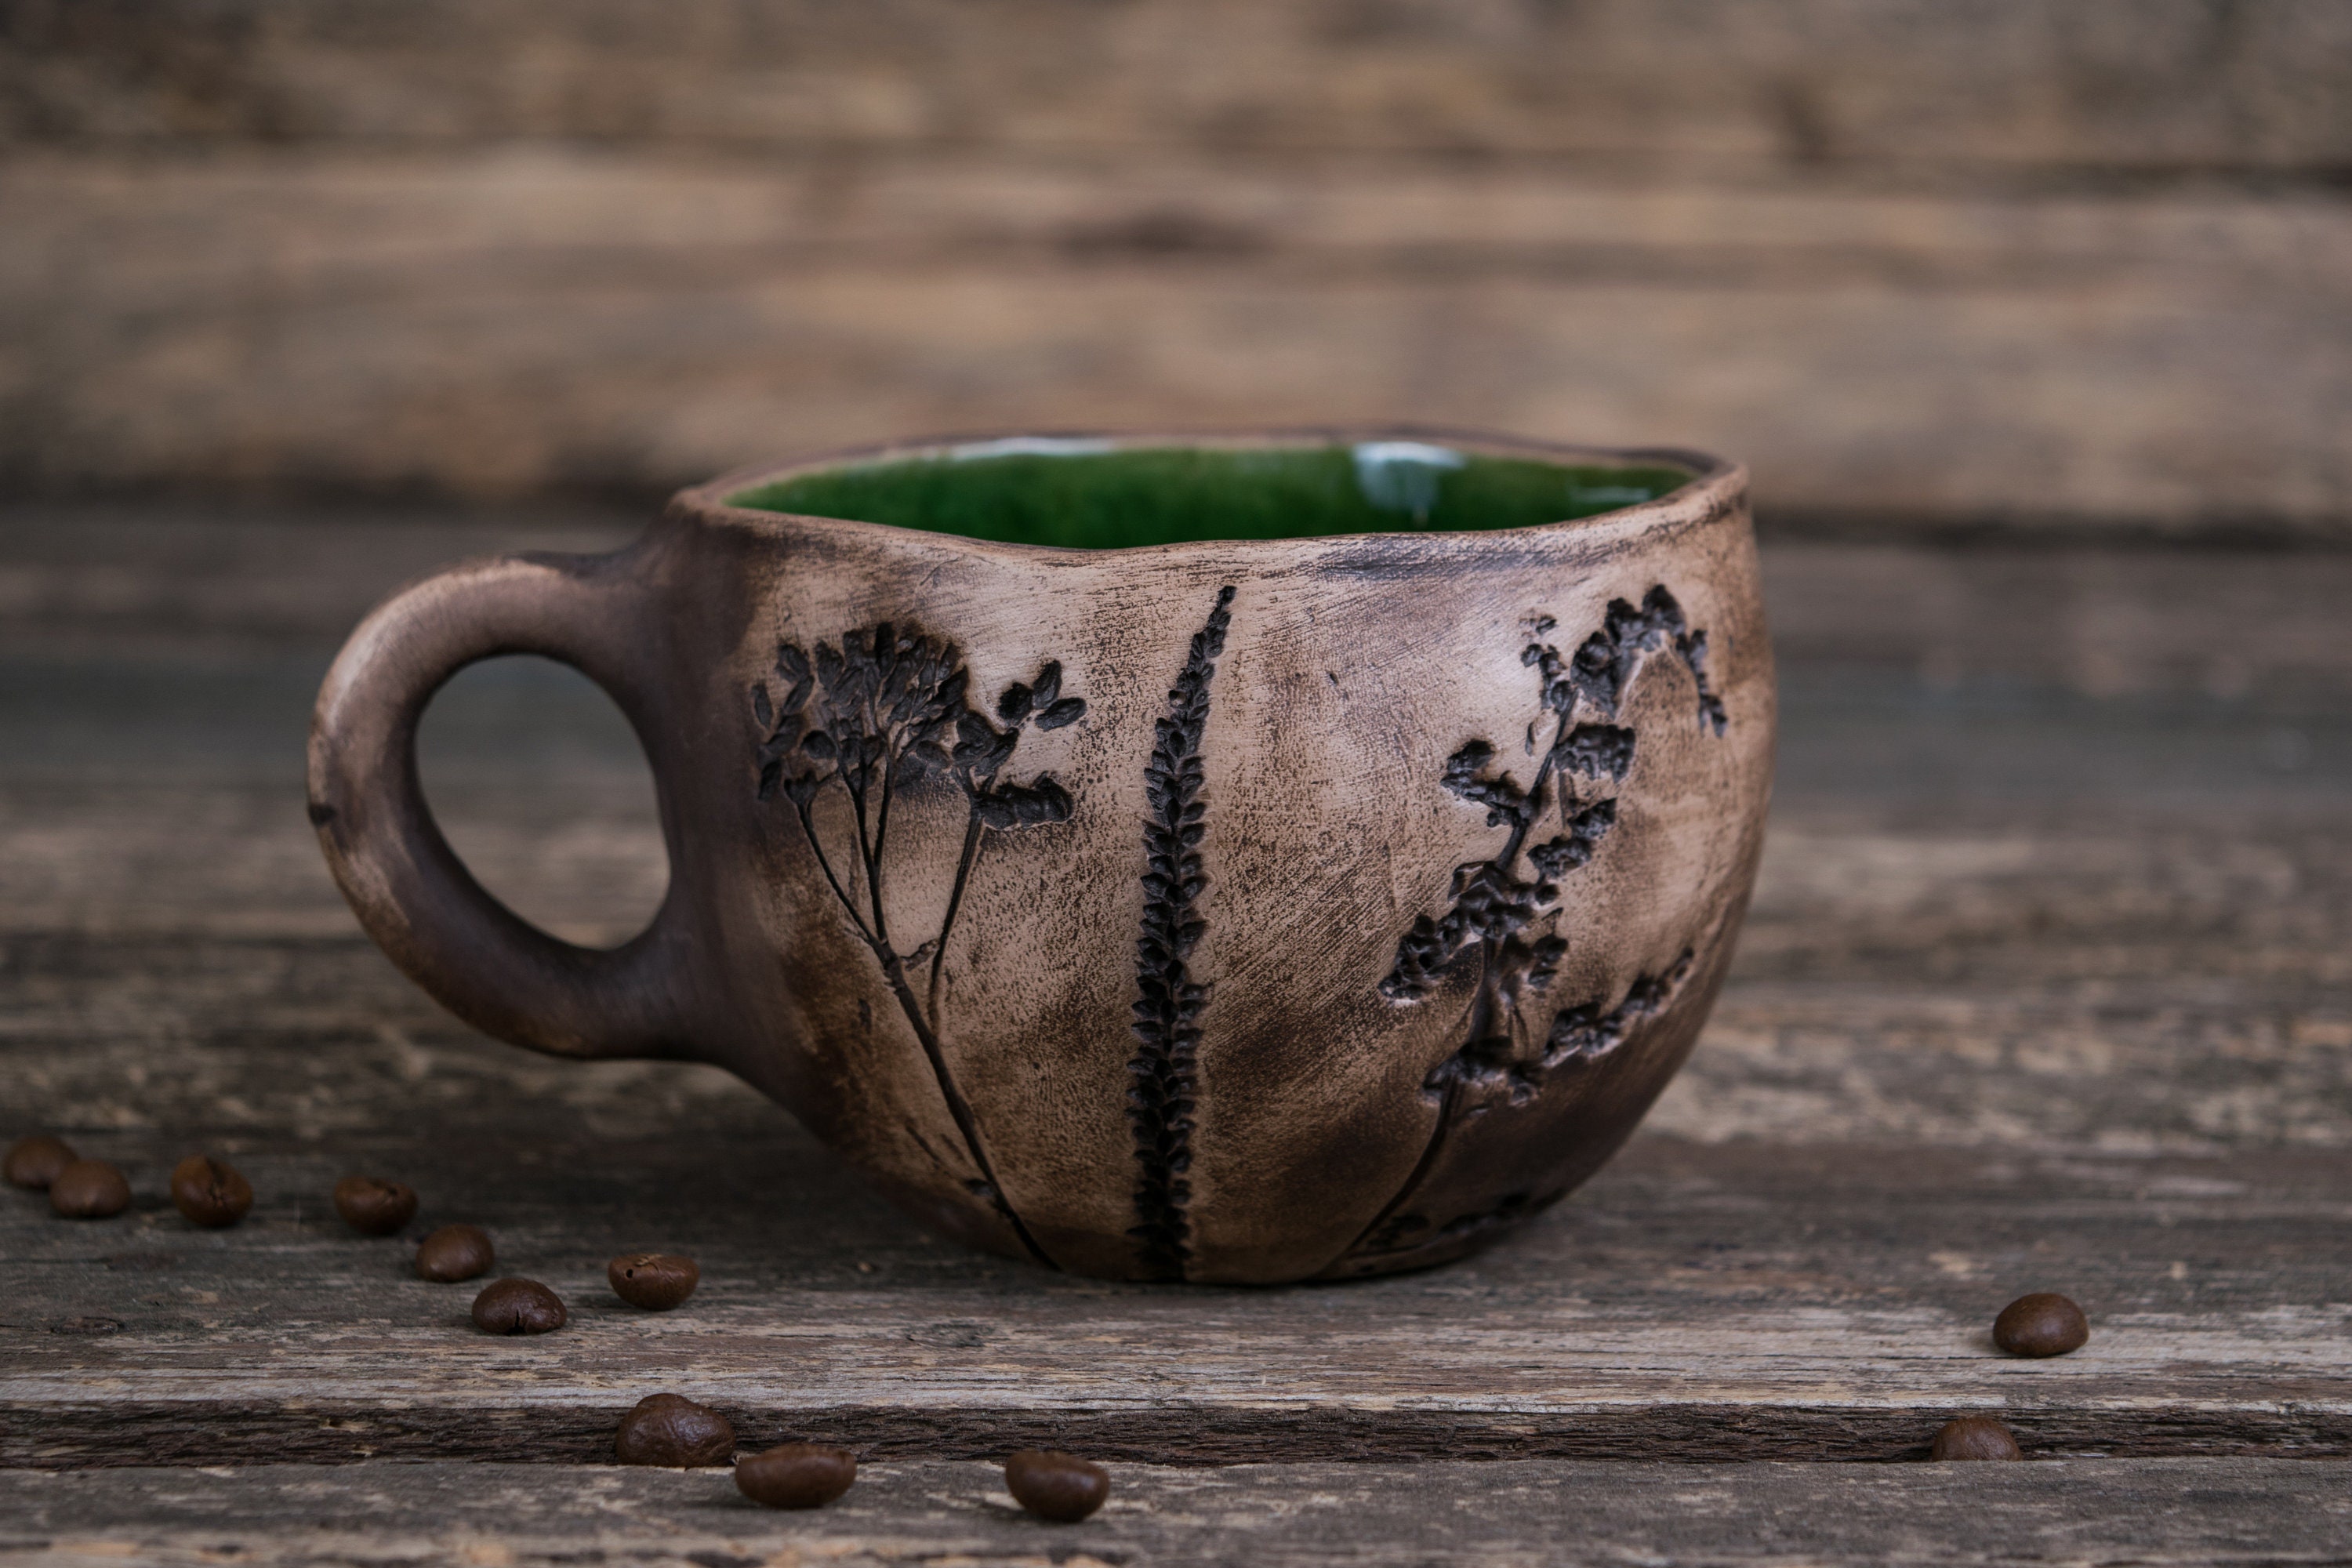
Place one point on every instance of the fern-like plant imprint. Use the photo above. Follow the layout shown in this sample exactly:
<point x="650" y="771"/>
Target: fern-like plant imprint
<point x="1167" y="1007"/>
<point x="1505" y="912"/>
<point x="869" y="718"/>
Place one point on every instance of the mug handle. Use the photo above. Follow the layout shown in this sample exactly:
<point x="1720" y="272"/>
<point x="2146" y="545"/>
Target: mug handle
<point x="413" y="895"/>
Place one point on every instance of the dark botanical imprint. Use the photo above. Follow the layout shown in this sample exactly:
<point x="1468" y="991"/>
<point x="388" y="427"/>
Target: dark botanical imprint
<point x="1168" y="1011"/>
<point x="1505" y="921"/>
<point x="884" y="710"/>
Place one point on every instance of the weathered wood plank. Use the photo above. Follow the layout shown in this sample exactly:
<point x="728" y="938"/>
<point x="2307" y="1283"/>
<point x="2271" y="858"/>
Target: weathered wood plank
<point x="192" y="586"/>
<point x="495" y="325"/>
<point x="208" y="585"/>
<point x="2156" y="85"/>
<point x="1697" y="1300"/>
<point x="2043" y="988"/>
<point x="2251" y="629"/>
<point x="2086" y="1512"/>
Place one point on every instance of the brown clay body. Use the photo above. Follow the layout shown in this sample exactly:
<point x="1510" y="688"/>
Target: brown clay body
<point x="1196" y="1013"/>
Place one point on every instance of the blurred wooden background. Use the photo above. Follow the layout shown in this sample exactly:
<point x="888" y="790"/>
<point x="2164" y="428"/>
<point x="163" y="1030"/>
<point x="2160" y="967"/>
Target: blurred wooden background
<point x="1926" y="266"/>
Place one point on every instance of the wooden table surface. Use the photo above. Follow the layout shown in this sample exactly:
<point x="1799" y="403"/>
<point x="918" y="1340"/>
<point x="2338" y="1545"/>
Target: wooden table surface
<point x="2048" y="985"/>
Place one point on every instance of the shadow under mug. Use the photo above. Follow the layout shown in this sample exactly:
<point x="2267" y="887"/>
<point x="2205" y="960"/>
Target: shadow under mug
<point x="1228" y="860"/>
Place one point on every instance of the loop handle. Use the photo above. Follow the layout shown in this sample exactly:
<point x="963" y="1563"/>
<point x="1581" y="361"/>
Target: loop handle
<point x="413" y="895"/>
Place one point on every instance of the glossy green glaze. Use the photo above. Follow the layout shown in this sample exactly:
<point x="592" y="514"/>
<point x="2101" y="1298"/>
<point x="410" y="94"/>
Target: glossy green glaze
<point x="1102" y="499"/>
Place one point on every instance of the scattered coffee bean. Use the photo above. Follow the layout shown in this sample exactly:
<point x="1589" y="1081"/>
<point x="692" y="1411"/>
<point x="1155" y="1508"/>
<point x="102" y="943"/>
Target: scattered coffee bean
<point x="1975" y="1438"/>
<point x="798" y="1475"/>
<point x="88" y="1189"/>
<point x="673" y="1430"/>
<point x="455" y="1252"/>
<point x="374" y="1207"/>
<point x="518" y="1307"/>
<point x="653" y="1280"/>
<point x="210" y="1194"/>
<point x="34" y="1162"/>
<point x="1055" y="1485"/>
<point x="2040" y="1324"/>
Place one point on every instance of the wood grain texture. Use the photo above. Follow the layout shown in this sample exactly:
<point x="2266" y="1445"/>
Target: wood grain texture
<point x="2088" y="1511"/>
<point x="2149" y="84"/>
<point x="502" y="324"/>
<point x="1700" y="1302"/>
<point x="2007" y="265"/>
<point x="2043" y="988"/>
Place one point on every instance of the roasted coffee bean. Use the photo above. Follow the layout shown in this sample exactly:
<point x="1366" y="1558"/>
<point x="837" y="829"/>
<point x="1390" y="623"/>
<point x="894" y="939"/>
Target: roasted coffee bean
<point x="455" y="1252"/>
<point x="518" y="1307"/>
<point x="374" y="1207"/>
<point x="34" y="1162"/>
<point x="1055" y="1485"/>
<point x="2040" y="1324"/>
<point x="1975" y="1438"/>
<point x="798" y="1475"/>
<point x="210" y="1194"/>
<point x="88" y="1189"/>
<point x="653" y="1280"/>
<point x="673" y="1430"/>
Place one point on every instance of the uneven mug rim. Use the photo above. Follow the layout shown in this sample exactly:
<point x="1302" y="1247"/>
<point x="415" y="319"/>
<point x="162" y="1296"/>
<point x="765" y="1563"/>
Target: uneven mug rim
<point x="1717" y="484"/>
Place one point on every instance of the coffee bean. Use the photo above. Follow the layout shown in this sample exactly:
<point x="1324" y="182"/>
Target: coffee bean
<point x="2040" y="1324"/>
<point x="1055" y="1485"/>
<point x="210" y="1194"/>
<point x="455" y="1252"/>
<point x="653" y="1280"/>
<point x="673" y="1430"/>
<point x="518" y="1307"/>
<point x="374" y="1207"/>
<point x="798" y="1475"/>
<point x="34" y="1162"/>
<point x="1975" y="1438"/>
<point x="88" y="1189"/>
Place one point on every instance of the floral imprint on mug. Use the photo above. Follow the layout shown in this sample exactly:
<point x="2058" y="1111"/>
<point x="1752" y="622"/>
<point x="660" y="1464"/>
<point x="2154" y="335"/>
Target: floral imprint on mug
<point x="1506" y="924"/>
<point x="887" y="707"/>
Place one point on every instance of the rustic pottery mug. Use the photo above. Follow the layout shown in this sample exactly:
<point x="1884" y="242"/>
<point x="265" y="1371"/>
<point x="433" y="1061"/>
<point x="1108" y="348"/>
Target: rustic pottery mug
<point x="1240" y="860"/>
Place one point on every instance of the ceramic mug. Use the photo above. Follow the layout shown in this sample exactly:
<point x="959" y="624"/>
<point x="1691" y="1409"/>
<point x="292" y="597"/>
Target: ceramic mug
<point x="1237" y="859"/>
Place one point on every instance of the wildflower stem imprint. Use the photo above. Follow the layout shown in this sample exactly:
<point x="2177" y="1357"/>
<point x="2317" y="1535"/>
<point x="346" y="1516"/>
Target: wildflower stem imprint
<point x="885" y="709"/>
<point x="1505" y="922"/>
<point x="1168" y="1011"/>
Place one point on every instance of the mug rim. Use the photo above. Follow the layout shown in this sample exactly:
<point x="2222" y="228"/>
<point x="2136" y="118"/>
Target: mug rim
<point x="1717" y="484"/>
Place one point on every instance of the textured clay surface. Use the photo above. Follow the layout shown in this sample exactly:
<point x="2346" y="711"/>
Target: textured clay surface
<point x="1226" y="911"/>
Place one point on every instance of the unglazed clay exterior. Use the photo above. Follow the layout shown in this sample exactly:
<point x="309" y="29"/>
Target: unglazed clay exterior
<point x="1235" y="911"/>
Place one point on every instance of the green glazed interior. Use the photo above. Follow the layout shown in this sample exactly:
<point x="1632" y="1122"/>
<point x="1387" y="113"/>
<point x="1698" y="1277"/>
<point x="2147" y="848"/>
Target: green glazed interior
<point x="1084" y="495"/>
